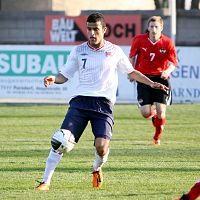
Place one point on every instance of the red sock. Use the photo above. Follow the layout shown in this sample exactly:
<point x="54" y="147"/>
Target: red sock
<point x="153" y="119"/>
<point x="159" y="123"/>
<point x="194" y="192"/>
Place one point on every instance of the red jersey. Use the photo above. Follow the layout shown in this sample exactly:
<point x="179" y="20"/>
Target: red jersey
<point x="153" y="57"/>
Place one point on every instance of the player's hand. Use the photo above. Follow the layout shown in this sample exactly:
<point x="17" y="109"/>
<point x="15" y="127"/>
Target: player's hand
<point x="49" y="80"/>
<point x="131" y="80"/>
<point x="159" y="86"/>
<point x="164" y="75"/>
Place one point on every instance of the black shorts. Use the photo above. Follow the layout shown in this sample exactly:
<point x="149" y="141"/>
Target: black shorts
<point x="148" y="95"/>
<point x="97" y="110"/>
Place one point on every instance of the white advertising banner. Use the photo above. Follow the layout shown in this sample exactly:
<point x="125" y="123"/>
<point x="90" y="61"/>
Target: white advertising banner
<point x="22" y="69"/>
<point x="186" y="77"/>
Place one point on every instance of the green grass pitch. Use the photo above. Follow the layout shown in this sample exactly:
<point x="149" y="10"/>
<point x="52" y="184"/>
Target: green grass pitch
<point x="135" y="168"/>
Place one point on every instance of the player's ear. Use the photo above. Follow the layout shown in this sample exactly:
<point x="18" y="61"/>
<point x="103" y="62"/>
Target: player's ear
<point x="161" y="27"/>
<point x="104" y="29"/>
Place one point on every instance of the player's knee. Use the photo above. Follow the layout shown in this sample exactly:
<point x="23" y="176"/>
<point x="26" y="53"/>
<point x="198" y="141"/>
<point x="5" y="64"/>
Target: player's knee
<point x="62" y="141"/>
<point x="161" y="115"/>
<point x="101" y="150"/>
<point x="146" y="114"/>
<point x="102" y="146"/>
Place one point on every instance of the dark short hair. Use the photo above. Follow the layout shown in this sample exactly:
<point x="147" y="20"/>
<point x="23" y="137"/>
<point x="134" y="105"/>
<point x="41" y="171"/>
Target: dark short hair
<point x="156" y="19"/>
<point x="95" y="17"/>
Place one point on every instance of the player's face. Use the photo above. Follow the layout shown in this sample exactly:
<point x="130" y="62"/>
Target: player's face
<point x="155" y="29"/>
<point x="96" y="33"/>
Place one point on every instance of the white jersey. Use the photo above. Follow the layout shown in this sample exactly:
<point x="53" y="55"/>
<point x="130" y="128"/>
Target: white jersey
<point x="97" y="68"/>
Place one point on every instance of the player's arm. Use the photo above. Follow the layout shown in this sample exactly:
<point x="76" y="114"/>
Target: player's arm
<point x="59" y="79"/>
<point x="134" y="51"/>
<point x="138" y="76"/>
<point x="166" y="73"/>
<point x="172" y="61"/>
<point x="133" y="60"/>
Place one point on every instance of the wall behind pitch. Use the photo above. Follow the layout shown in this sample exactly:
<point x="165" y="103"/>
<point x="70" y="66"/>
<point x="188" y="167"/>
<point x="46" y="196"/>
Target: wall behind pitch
<point x="22" y="69"/>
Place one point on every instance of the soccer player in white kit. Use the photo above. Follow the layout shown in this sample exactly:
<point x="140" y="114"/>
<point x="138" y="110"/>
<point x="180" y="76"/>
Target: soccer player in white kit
<point x="97" y="62"/>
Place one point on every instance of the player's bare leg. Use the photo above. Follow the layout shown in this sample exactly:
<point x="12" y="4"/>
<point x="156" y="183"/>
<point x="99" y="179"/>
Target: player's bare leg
<point x="101" y="156"/>
<point x="147" y="111"/>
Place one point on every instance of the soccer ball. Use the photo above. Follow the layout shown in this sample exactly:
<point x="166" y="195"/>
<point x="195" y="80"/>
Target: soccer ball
<point x="62" y="141"/>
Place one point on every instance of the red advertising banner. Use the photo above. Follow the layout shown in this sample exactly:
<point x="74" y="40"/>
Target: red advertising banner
<point x="64" y="30"/>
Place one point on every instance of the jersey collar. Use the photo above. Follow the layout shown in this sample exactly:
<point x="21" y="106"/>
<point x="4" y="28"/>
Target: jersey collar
<point x="96" y="49"/>
<point x="155" y="41"/>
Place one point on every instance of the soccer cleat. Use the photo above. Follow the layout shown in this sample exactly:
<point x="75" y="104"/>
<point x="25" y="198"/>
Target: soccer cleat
<point x="97" y="179"/>
<point x="156" y="142"/>
<point x="42" y="187"/>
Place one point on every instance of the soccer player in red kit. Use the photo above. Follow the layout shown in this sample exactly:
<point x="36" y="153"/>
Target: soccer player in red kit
<point x="154" y="55"/>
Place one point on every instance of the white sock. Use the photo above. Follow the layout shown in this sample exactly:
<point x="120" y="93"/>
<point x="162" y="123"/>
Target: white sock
<point x="51" y="163"/>
<point x="100" y="160"/>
